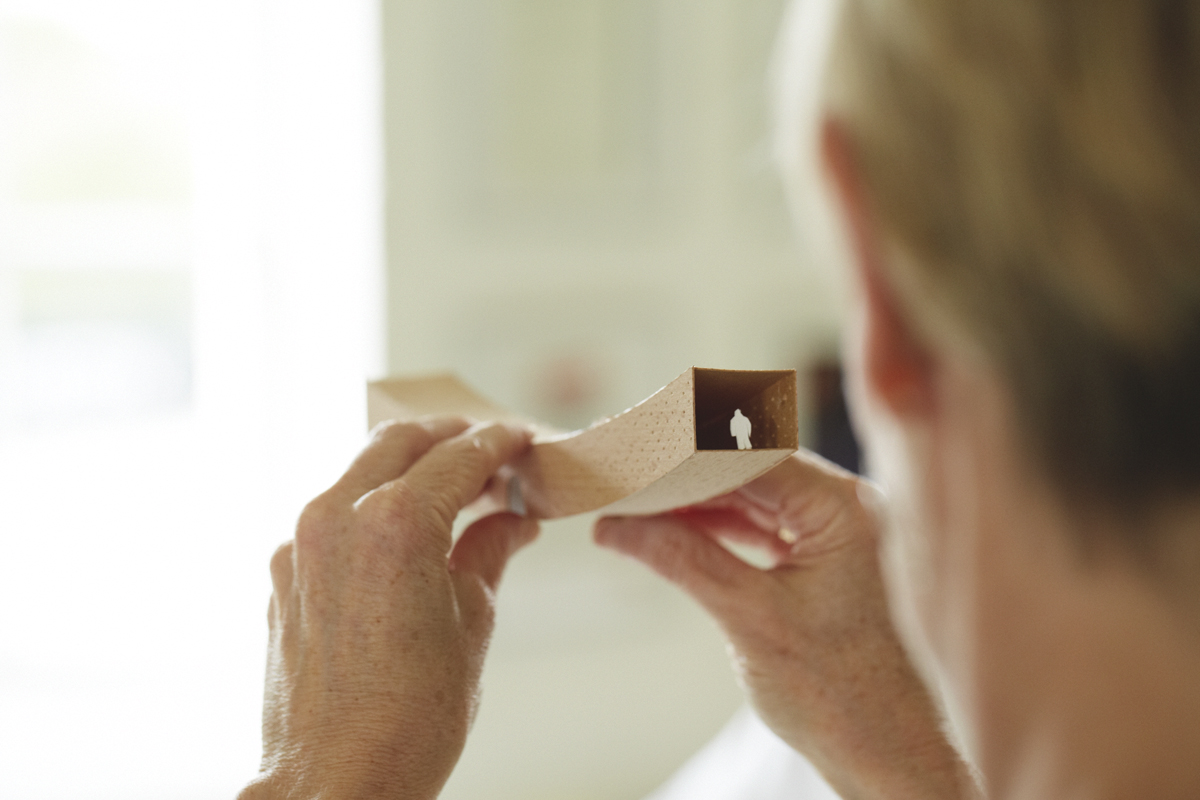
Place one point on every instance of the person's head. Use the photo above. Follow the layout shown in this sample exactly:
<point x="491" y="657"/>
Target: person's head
<point x="1021" y="186"/>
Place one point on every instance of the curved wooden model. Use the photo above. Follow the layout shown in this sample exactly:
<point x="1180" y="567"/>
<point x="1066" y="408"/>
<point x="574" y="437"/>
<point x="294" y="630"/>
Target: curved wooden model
<point x="672" y="449"/>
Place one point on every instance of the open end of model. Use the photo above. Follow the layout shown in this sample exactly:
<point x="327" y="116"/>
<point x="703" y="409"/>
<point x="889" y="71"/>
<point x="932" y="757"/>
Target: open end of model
<point x="757" y="408"/>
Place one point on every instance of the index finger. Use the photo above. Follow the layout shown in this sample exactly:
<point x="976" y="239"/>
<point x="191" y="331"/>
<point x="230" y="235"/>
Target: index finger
<point x="394" y="447"/>
<point x="455" y="470"/>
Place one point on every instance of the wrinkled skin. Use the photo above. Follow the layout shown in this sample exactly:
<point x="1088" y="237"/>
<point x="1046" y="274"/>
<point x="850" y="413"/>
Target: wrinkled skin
<point x="811" y="638"/>
<point x="378" y="627"/>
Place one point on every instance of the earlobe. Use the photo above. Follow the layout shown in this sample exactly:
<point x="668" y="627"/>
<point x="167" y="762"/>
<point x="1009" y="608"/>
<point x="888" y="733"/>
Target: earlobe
<point x="898" y="366"/>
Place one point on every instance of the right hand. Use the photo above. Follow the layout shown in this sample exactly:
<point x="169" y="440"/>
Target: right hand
<point x="812" y="638"/>
<point x="379" y="621"/>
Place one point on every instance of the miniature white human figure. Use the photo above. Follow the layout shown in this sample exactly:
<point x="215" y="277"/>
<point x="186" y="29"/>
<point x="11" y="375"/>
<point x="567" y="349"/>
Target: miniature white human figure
<point x="739" y="426"/>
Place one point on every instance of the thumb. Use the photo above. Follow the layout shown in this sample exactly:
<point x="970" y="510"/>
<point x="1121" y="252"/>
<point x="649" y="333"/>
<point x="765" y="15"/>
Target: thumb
<point x="682" y="554"/>
<point x="478" y="560"/>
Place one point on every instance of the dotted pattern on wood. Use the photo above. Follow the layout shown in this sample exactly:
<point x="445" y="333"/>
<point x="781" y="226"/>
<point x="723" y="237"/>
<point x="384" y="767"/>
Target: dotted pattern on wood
<point x="643" y="460"/>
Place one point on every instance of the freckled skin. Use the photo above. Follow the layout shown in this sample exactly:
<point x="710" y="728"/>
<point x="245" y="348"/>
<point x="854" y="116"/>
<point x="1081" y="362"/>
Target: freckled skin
<point x="811" y="638"/>
<point x="378" y="626"/>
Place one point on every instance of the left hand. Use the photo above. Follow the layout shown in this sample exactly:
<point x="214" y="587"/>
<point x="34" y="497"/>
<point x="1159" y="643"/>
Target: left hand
<point x="811" y="637"/>
<point x="378" y="626"/>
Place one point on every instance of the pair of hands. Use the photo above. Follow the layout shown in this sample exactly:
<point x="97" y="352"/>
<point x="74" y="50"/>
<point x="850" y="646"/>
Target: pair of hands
<point x="379" y="623"/>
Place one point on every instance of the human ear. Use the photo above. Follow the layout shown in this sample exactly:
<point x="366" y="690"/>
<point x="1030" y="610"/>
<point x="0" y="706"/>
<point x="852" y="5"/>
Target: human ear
<point x="898" y="365"/>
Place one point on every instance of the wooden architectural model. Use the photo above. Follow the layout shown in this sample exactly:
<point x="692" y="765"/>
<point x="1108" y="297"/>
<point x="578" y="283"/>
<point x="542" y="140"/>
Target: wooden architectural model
<point x="672" y="449"/>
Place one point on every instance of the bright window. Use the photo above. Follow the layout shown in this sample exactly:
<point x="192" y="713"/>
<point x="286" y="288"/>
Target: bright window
<point x="189" y="288"/>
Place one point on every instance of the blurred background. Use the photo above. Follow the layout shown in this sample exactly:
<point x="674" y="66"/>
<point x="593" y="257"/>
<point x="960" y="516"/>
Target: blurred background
<point x="218" y="219"/>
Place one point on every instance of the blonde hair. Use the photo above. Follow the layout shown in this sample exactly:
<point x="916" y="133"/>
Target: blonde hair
<point x="1039" y="163"/>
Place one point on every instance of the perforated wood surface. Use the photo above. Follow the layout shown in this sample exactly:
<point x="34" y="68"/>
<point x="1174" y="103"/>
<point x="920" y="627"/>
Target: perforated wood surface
<point x="641" y="461"/>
